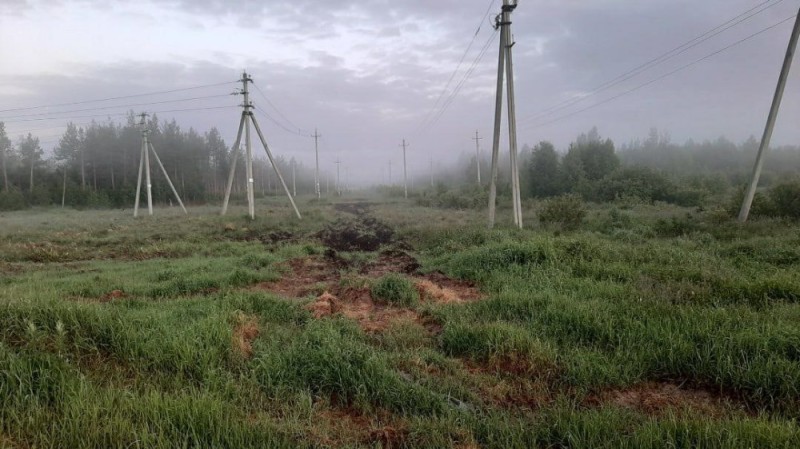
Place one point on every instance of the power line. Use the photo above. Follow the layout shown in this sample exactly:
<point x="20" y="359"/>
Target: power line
<point x="460" y="63"/>
<point x="163" y="92"/>
<point x="116" y="114"/>
<point x="679" y="69"/>
<point x="460" y="85"/>
<point x="279" y="124"/>
<point x="260" y="92"/>
<point x="39" y="114"/>
<point x="677" y="51"/>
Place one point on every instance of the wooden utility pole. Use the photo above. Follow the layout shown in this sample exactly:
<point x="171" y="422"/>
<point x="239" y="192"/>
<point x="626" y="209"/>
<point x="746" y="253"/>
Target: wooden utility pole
<point x="405" y="168"/>
<point x="244" y="124"/>
<point x="505" y="68"/>
<point x="477" y="140"/>
<point x="316" y="170"/>
<point x="744" y="213"/>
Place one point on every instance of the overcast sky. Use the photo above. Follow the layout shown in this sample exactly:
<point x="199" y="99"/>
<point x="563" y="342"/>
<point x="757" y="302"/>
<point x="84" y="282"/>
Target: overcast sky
<point x="368" y="73"/>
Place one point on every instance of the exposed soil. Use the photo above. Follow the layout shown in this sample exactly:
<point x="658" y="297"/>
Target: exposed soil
<point x="245" y="331"/>
<point x="364" y="234"/>
<point x="112" y="295"/>
<point x="347" y="426"/>
<point x="656" y="398"/>
<point x="350" y="296"/>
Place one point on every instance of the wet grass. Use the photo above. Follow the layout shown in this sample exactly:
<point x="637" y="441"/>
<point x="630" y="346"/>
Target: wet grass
<point x="122" y="333"/>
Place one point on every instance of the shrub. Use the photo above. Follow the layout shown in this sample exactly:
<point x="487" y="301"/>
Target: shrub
<point x="568" y="211"/>
<point x="12" y="200"/>
<point x="784" y="200"/>
<point x="395" y="289"/>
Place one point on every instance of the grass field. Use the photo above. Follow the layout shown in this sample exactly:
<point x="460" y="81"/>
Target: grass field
<point x="648" y="327"/>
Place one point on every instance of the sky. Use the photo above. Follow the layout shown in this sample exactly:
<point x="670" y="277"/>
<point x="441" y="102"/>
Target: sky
<point x="369" y="74"/>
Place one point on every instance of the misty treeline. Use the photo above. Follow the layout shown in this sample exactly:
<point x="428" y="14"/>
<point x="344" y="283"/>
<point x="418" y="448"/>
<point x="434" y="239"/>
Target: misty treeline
<point x="97" y="166"/>
<point x="649" y="170"/>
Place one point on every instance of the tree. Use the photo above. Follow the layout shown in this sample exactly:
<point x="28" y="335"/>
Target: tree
<point x="31" y="153"/>
<point x="5" y="146"/>
<point x="543" y="171"/>
<point x="589" y="158"/>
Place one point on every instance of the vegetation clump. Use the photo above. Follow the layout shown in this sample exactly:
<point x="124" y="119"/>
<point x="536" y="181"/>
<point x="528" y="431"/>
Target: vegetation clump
<point x="567" y="211"/>
<point x="395" y="289"/>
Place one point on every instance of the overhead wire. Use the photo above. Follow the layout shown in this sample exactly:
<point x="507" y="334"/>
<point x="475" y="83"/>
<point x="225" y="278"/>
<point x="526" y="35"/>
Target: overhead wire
<point x="460" y="85"/>
<point x="118" y="114"/>
<point x="460" y="63"/>
<point x="123" y="97"/>
<point x="677" y="51"/>
<point x="281" y="114"/>
<point x="180" y="100"/>
<point x="668" y="74"/>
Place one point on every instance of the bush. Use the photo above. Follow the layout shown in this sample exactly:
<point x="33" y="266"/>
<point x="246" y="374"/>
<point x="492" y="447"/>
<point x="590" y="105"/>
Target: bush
<point x="395" y="289"/>
<point x="568" y="211"/>
<point x="784" y="200"/>
<point x="12" y="200"/>
<point x="468" y="197"/>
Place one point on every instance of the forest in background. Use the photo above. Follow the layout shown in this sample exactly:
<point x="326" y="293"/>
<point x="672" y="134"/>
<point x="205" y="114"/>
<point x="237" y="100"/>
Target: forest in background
<point x="96" y="166"/>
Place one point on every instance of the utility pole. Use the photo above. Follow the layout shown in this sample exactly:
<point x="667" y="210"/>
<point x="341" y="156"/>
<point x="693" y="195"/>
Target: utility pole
<point x="244" y="125"/>
<point x="144" y="163"/>
<point x="431" y="172"/>
<point x="477" y="140"/>
<point x="744" y="213"/>
<point x="316" y="171"/>
<point x="294" y="179"/>
<point x="405" y="169"/>
<point x="338" y="185"/>
<point x="505" y="69"/>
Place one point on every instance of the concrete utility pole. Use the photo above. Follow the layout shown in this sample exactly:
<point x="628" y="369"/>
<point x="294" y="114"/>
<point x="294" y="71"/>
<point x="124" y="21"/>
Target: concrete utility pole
<point x="405" y="168"/>
<point x="316" y="171"/>
<point x="477" y="140"/>
<point x="505" y="67"/>
<point x="294" y="178"/>
<point x="744" y="213"/>
<point x="144" y="162"/>
<point x="244" y="125"/>
<point x="338" y="185"/>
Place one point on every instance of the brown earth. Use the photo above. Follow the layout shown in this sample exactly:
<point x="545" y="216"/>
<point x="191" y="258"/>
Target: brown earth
<point x="112" y="295"/>
<point x="245" y="331"/>
<point x="347" y="426"/>
<point x="657" y="398"/>
<point x="350" y="296"/>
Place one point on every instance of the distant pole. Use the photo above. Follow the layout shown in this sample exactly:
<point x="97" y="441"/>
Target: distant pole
<point x="144" y="165"/>
<point x="316" y="171"/>
<point x="744" y="213"/>
<point x="477" y="140"/>
<point x="431" y="172"/>
<point x="294" y="178"/>
<point x="405" y="168"/>
<point x="391" y="182"/>
<point x="64" y="188"/>
<point x="338" y="184"/>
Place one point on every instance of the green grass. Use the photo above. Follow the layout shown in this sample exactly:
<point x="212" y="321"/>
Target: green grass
<point x="122" y="333"/>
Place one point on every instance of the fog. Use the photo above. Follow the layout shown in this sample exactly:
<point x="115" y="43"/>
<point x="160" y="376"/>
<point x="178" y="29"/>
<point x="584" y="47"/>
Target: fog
<point x="367" y="74"/>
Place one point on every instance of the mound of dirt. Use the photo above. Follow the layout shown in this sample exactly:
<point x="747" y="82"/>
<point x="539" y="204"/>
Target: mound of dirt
<point x="352" y="208"/>
<point x="391" y="261"/>
<point x="362" y="234"/>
